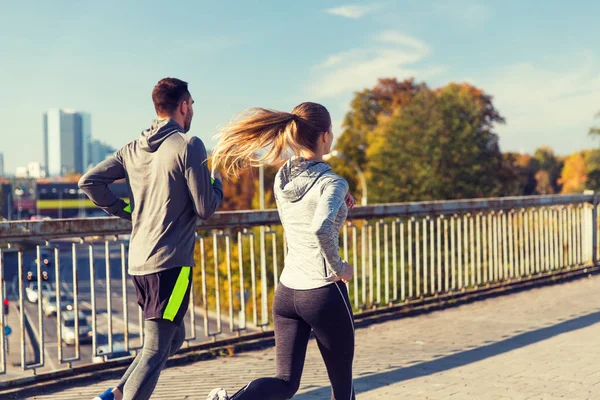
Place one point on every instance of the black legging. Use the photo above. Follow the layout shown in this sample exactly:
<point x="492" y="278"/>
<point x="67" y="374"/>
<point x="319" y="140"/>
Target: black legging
<point x="327" y="311"/>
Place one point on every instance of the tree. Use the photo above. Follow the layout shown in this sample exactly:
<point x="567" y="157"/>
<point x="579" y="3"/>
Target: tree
<point x="270" y="172"/>
<point x="239" y="192"/>
<point x="574" y="174"/>
<point x="543" y="182"/>
<point x="440" y="144"/>
<point x="366" y="109"/>
<point x="393" y="170"/>
<point x="592" y="162"/>
<point x="518" y="174"/>
<point x="549" y="162"/>
<point x="537" y="174"/>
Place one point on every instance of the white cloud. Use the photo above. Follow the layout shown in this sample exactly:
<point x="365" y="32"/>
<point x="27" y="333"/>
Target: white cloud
<point x="339" y="58"/>
<point x="392" y="54"/>
<point x="545" y="106"/>
<point x="353" y="11"/>
<point x="469" y="13"/>
<point x="398" y="38"/>
<point x="550" y="102"/>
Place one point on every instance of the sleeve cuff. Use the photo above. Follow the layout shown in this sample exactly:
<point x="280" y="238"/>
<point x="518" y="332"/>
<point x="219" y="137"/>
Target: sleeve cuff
<point x="216" y="182"/>
<point x="340" y="267"/>
<point x="120" y="209"/>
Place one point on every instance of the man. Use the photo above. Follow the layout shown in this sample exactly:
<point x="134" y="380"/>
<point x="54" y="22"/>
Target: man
<point x="170" y="186"/>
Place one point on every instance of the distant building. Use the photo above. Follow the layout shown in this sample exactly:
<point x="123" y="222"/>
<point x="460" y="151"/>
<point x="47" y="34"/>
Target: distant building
<point x="67" y="135"/>
<point x="99" y="151"/>
<point x="1" y="164"/>
<point x="22" y="172"/>
<point x="35" y="170"/>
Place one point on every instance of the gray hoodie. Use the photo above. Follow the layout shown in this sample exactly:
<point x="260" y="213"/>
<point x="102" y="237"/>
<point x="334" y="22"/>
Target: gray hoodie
<point x="170" y="186"/>
<point x="310" y="201"/>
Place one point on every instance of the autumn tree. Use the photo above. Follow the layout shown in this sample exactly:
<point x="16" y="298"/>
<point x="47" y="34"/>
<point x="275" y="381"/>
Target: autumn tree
<point x="239" y="191"/>
<point x="518" y="174"/>
<point x="574" y="174"/>
<point x="592" y="162"/>
<point x="551" y="165"/>
<point x="366" y="109"/>
<point x="440" y="144"/>
<point x="543" y="182"/>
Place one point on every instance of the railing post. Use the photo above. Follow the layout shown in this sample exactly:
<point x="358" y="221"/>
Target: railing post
<point x="595" y="201"/>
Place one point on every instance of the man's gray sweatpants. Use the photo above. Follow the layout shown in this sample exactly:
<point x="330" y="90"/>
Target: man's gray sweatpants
<point x="162" y="338"/>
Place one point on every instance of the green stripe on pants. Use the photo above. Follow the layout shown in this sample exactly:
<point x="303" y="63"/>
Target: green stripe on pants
<point x="178" y="294"/>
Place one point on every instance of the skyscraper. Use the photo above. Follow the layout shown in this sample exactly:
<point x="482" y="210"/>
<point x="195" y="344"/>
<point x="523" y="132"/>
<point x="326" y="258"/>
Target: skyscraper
<point x="1" y="164"/>
<point x="86" y="127"/>
<point x="67" y="135"/>
<point x="99" y="151"/>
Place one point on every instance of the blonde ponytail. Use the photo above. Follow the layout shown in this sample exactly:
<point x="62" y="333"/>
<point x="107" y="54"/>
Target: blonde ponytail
<point x="273" y="131"/>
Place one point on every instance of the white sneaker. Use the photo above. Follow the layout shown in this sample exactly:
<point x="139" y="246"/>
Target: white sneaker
<point x="218" y="394"/>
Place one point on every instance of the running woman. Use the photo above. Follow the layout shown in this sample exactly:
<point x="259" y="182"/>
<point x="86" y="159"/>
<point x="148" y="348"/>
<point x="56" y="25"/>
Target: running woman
<point x="313" y="203"/>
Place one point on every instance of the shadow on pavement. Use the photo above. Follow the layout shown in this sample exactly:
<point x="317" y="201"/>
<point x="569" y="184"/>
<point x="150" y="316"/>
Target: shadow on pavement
<point x="375" y="381"/>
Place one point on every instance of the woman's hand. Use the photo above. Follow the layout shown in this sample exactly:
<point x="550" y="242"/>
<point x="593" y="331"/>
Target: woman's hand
<point x="347" y="273"/>
<point x="350" y="201"/>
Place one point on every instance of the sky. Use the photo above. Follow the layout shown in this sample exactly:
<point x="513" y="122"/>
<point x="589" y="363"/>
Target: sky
<point x="539" y="60"/>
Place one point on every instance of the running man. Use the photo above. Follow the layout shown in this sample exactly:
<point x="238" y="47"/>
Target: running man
<point x="170" y="186"/>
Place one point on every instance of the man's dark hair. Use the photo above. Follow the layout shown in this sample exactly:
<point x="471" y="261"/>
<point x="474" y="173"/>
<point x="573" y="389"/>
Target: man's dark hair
<point x="167" y="95"/>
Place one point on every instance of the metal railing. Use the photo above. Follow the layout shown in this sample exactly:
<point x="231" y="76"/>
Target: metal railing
<point x="401" y="253"/>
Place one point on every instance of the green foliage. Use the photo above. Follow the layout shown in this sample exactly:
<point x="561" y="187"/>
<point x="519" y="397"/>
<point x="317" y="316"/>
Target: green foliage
<point x="552" y="166"/>
<point x="437" y="145"/>
<point x="592" y="158"/>
<point x="518" y="174"/>
<point x="416" y="143"/>
<point x="229" y="273"/>
<point x="367" y="108"/>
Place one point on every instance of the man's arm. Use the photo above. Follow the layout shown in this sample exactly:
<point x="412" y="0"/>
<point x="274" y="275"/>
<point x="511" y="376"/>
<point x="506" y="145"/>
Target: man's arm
<point x="206" y="193"/>
<point x="95" y="184"/>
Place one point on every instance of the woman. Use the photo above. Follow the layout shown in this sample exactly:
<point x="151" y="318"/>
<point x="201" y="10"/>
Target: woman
<point x="313" y="203"/>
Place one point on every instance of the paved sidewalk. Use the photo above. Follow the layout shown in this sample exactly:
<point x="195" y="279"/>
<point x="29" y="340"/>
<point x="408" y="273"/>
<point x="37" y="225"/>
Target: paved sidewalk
<point x="538" y="344"/>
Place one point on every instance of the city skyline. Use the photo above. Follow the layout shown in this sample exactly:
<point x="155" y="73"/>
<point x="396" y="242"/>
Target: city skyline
<point x="69" y="131"/>
<point x="546" y="83"/>
<point x="97" y="152"/>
